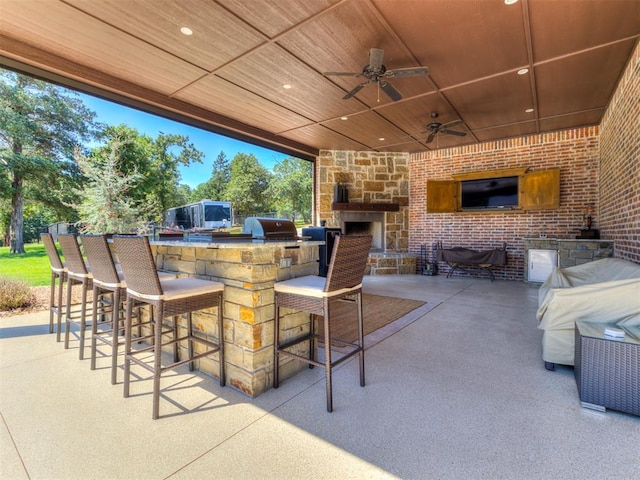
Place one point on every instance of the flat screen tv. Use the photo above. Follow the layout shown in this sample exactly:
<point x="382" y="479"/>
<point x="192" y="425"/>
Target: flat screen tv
<point x="489" y="193"/>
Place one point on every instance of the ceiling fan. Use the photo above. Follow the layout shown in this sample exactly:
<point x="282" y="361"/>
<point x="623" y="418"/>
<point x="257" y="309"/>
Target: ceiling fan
<point x="376" y="72"/>
<point x="435" y="128"/>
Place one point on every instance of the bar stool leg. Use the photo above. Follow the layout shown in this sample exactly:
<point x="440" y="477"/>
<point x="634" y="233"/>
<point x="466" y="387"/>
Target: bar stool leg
<point x="51" y="300"/>
<point x="327" y="356"/>
<point x="94" y="327"/>
<point x="115" y="334"/>
<point x="157" y="362"/>
<point x="67" y="325"/>
<point x="189" y="341"/>
<point x="127" y="346"/>
<point x="60" y="309"/>
<point x="176" y="347"/>
<point x="360" y="337"/>
<point x="312" y="338"/>
<point x="221" y="341"/>
<point x="276" y="344"/>
<point x="83" y="318"/>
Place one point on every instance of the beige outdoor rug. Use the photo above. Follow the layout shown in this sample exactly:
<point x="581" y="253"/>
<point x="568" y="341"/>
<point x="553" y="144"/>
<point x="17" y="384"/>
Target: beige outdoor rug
<point x="378" y="312"/>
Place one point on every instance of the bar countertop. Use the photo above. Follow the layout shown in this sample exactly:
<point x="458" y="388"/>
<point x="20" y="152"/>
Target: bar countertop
<point x="243" y="243"/>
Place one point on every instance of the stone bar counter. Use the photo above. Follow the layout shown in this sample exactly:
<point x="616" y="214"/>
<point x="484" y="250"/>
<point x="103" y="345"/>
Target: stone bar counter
<point x="248" y="270"/>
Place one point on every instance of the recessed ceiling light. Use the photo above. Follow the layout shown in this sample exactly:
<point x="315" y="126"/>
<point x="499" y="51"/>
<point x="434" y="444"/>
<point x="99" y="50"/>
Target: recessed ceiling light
<point x="381" y="139"/>
<point x="522" y="71"/>
<point x="286" y="86"/>
<point x="529" y="110"/>
<point x="510" y="2"/>
<point x="343" y="118"/>
<point x="186" y="31"/>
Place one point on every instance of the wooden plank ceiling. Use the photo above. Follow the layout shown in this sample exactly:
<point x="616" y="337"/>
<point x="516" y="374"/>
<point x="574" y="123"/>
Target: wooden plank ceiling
<point x="228" y="76"/>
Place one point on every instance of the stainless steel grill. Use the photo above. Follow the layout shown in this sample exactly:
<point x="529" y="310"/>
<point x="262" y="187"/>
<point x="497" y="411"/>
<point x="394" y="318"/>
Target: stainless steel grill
<point x="270" y="229"/>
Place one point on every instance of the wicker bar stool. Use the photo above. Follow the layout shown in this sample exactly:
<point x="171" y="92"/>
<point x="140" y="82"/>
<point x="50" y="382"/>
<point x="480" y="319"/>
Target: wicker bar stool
<point x="59" y="275"/>
<point x="167" y="299"/>
<point x="108" y="281"/>
<point x="314" y="294"/>
<point x="77" y="273"/>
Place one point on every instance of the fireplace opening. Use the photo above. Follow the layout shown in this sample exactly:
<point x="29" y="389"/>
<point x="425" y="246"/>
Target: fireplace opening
<point x="365" y="224"/>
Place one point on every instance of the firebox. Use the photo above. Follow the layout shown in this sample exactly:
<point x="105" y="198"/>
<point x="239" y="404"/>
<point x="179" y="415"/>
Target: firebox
<point x="365" y="223"/>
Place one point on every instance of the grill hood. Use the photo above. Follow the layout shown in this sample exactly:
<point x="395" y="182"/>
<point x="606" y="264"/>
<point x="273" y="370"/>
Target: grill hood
<point x="270" y="228"/>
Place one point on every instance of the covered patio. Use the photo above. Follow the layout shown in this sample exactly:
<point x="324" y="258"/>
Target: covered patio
<point x="455" y="389"/>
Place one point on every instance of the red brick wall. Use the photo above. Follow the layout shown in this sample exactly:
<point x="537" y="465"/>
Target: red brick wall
<point x="575" y="152"/>
<point x="620" y="165"/>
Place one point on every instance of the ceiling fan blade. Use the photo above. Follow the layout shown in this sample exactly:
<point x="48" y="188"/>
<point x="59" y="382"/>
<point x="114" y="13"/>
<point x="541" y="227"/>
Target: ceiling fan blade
<point x="354" y="91"/>
<point x="453" y="132"/>
<point x="430" y="137"/>
<point x="375" y="59"/>
<point x="407" y="72"/>
<point x="342" y="74"/>
<point x="452" y="123"/>
<point x="390" y="91"/>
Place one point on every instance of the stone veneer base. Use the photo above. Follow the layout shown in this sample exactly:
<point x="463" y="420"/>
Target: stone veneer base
<point x="391" y="263"/>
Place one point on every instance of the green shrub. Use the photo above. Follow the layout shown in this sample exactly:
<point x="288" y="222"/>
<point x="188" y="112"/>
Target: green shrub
<point x="14" y="294"/>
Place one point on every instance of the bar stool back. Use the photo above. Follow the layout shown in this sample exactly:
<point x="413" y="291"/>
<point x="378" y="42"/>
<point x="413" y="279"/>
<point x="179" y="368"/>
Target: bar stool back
<point x="106" y="281"/>
<point x="77" y="273"/>
<point x="167" y="299"/>
<point x="314" y="294"/>
<point x="59" y="274"/>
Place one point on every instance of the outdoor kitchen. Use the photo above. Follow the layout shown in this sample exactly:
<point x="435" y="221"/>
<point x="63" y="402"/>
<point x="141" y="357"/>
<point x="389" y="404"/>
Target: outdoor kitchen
<point x="269" y="250"/>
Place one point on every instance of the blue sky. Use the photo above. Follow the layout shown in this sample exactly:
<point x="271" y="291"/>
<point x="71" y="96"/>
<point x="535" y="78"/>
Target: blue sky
<point x="209" y="143"/>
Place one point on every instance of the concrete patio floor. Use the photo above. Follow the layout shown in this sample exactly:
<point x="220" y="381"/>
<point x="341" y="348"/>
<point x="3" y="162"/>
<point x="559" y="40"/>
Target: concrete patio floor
<point x="457" y="389"/>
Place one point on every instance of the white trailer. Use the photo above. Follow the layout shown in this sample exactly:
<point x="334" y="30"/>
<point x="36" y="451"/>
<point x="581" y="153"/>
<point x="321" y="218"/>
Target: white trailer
<point x="202" y="215"/>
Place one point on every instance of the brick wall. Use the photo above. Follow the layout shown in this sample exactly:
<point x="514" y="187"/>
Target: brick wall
<point x="575" y="152"/>
<point x="620" y="165"/>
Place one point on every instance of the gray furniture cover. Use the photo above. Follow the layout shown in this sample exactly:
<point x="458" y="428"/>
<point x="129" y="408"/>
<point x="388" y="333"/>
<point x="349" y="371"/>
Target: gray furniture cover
<point x="606" y="291"/>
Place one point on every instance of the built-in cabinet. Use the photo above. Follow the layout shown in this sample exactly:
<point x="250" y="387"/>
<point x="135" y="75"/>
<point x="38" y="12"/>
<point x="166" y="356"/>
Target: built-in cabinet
<point x="537" y="190"/>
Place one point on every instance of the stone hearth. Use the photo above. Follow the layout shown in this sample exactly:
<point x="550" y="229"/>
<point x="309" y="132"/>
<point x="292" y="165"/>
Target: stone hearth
<point x="391" y="263"/>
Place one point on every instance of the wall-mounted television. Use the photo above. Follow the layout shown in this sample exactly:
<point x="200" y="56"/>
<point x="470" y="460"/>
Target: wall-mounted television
<point x="489" y="193"/>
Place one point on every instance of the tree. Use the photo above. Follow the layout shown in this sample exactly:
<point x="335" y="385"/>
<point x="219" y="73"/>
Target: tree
<point x="105" y="206"/>
<point x="169" y="151"/>
<point x="40" y="125"/>
<point x="214" y="188"/>
<point x="292" y="188"/>
<point x="183" y="195"/>
<point x="156" y="161"/>
<point x="247" y="186"/>
<point x="36" y="220"/>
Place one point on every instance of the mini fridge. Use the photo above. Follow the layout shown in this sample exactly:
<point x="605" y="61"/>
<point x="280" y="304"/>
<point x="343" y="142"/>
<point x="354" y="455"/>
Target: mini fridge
<point x="540" y="263"/>
<point x="326" y="235"/>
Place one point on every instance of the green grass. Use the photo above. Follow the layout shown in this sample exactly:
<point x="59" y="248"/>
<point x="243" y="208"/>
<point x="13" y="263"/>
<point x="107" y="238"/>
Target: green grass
<point x="32" y="267"/>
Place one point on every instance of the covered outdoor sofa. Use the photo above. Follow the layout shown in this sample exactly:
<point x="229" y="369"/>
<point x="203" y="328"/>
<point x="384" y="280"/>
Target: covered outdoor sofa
<point x="604" y="291"/>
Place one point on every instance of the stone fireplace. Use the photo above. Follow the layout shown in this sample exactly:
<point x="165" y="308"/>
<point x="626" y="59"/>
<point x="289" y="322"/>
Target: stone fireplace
<point x="375" y="181"/>
<point x="365" y="223"/>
